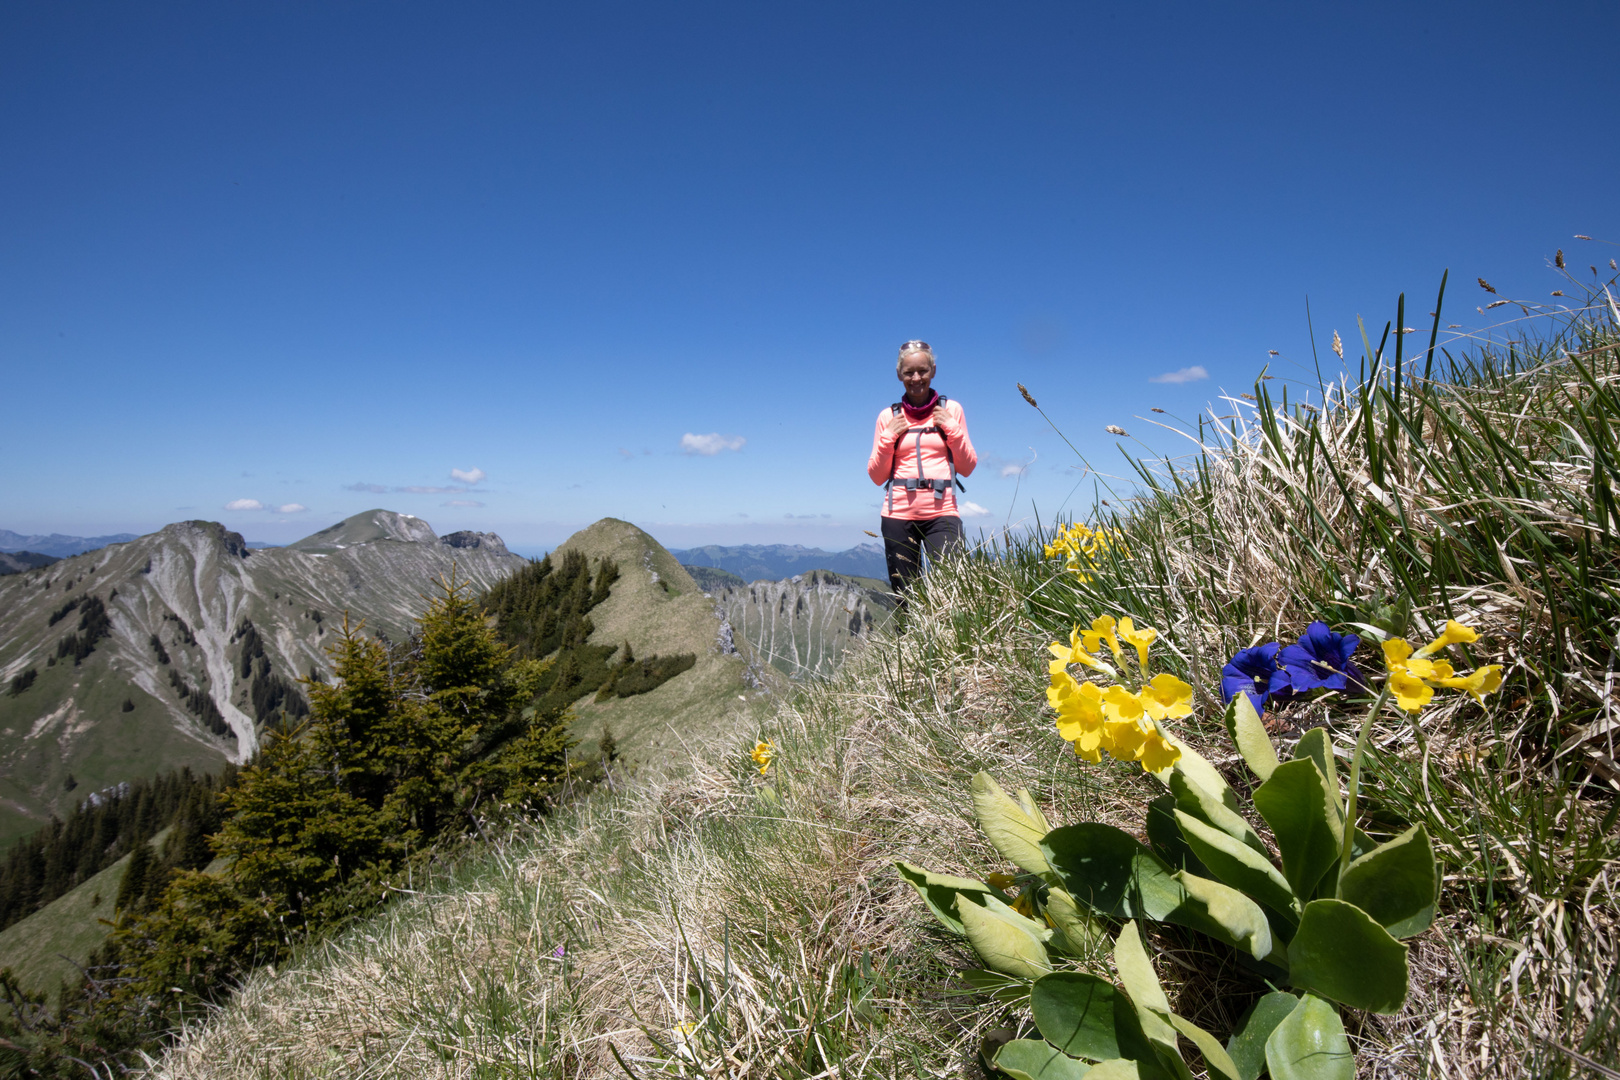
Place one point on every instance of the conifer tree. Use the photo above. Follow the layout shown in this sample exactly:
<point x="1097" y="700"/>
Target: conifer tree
<point x="293" y="834"/>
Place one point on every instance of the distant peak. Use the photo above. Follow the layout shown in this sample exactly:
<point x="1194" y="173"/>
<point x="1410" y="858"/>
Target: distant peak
<point x="232" y="540"/>
<point x="469" y="539"/>
<point x="367" y="527"/>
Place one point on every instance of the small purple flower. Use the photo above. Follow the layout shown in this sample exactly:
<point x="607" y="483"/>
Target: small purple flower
<point x="1254" y="672"/>
<point x="558" y="953"/>
<point x="1320" y="660"/>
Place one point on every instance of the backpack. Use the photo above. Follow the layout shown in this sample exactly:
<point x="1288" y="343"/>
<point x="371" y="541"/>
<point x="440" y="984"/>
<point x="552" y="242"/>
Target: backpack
<point x="938" y="486"/>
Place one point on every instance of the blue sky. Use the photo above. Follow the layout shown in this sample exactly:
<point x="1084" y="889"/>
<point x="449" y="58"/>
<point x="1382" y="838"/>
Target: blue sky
<point x="292" y="254"/>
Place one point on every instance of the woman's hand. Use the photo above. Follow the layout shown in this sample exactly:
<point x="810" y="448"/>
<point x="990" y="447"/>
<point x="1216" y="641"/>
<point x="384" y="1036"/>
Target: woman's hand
<point x="942" y="418"/>
<point x="897" y="425"/>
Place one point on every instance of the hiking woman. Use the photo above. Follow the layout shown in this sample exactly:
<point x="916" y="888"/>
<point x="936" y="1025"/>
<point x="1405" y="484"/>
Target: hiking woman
<point x="920" y="445"/>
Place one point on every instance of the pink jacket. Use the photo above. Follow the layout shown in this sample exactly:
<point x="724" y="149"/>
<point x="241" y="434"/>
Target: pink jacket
<point x="902" y="456"/>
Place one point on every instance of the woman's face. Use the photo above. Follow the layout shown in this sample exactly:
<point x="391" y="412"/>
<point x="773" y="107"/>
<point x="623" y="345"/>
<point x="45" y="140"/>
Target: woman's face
<point x="916" y="372"/>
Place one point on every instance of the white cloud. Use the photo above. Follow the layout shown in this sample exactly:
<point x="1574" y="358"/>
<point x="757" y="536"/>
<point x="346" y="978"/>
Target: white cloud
<point x="1186" y="374"/>
<point x="468" y="476"/>
<point x="711" y="444"/>
<point x="1015" y="469"/>
<point x="463" y="502"/>
<point x="291" y="508"/>
<point x="971" y="509"/>
<point x="244" y="504"/>
<point x="375" y="489"/>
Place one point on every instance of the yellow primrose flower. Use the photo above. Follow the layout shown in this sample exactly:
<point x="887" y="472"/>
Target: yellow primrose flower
<point x="1024" y="905"/>
<point x="1102" y="629"/>
<point x="1092" y="753"/>
<point x="1419" y="668"/>
<point x="1159" y="753"/>
<point x="1002" y="881"/>
<point x="1411" y="693"/>
<point x="1396" y="652"/>
<point x="1455" y="633"/>
<point x="1060" y="686"/>
<point x="1124" y="739"/>
<point x="1077" y="652"/>
<point x="763" y="754"/>
<point x="1120" y="704"/>
<point x="1080" y="712"/>
<point x="1478" y="683"/>
<point x="1166" y="696"/>
<point x="1142" y="638"/>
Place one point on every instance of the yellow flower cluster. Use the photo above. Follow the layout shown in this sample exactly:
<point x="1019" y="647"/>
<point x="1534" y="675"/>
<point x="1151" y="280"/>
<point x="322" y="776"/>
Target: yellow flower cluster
<point x="764" y="753"/>
<point x="1080" y="545"/>
<point x="1113" y="718"/>
<point x="1414" y="677"/>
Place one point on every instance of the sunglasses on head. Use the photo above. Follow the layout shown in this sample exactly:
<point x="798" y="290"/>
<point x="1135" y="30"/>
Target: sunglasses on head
<point x="915" y="346"/>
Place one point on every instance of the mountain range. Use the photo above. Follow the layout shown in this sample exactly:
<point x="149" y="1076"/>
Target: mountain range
<point x="175" y="648"/>
<point x="773" y="562"/>
<point x="57" y="544"/>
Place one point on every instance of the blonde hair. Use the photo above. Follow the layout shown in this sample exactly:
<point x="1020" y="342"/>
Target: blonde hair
<point x="912" y="348"/>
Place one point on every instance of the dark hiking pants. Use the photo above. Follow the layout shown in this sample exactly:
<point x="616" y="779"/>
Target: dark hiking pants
<point x="904" y="542"/>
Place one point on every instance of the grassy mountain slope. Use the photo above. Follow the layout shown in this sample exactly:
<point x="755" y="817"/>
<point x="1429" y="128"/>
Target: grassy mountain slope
<point x="193" y="586"/>
<point x="658" y="608"/>
<point x="711" y="922"/>
<point x="44" y="949"/>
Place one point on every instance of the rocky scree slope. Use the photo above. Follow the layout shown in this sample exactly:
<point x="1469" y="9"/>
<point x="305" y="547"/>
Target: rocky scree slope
<point x="804" y="624"/>
<point x="176" y="647"/>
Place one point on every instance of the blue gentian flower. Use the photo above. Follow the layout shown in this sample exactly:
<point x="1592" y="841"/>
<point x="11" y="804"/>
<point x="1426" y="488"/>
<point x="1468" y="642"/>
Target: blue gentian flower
<point x="1320" y="660"/>
<point x="1254" y="672"/>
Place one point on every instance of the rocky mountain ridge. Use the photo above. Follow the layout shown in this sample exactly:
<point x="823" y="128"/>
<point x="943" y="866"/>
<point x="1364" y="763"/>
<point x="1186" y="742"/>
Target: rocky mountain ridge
<point x="176" y="647"/>
<point x="801" y="625"/>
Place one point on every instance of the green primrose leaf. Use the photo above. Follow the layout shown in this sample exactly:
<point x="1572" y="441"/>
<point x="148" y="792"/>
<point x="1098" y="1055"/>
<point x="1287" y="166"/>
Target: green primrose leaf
<point x="1194" y="799"/>
<point x="1027" y="804"/>
<point x="1136" y="971"/>
<point x="1037" y="1059"/>
<point x="1005" y="940"/>
<point x="1197" y="768"/>
<point x="1123" y="1069"/>
<point x="1147" y="997"/>
<point x="1239" y="866"/>
<point x="1340" y="953"/>
<point x="1316" y="745"/>
<point x="1221" y="1066"/>
<point x="1224" y="914"/>
<point x="1011" y="830"/>
<point x="939" y="892"/>
<point x="1076" y="932"/>
<point x="1111" y="872"/>
<point x="1165" y="837"/>
<point x="1249" y="736"/>
<point x="1305" y="818"/>
<point x="1396" y="883"/>
<point x="1001" y="987"/>
<point x="1310" y="1044"/>
<point x="1087" y="1017"/>
<point x="1247" y="1046"/>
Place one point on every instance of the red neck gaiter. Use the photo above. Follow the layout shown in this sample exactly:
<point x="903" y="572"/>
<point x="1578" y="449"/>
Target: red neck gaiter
<point x="919" y="413"/>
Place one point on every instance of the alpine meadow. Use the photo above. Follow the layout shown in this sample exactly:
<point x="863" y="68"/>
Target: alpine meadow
<point x="1293" y="757"/>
